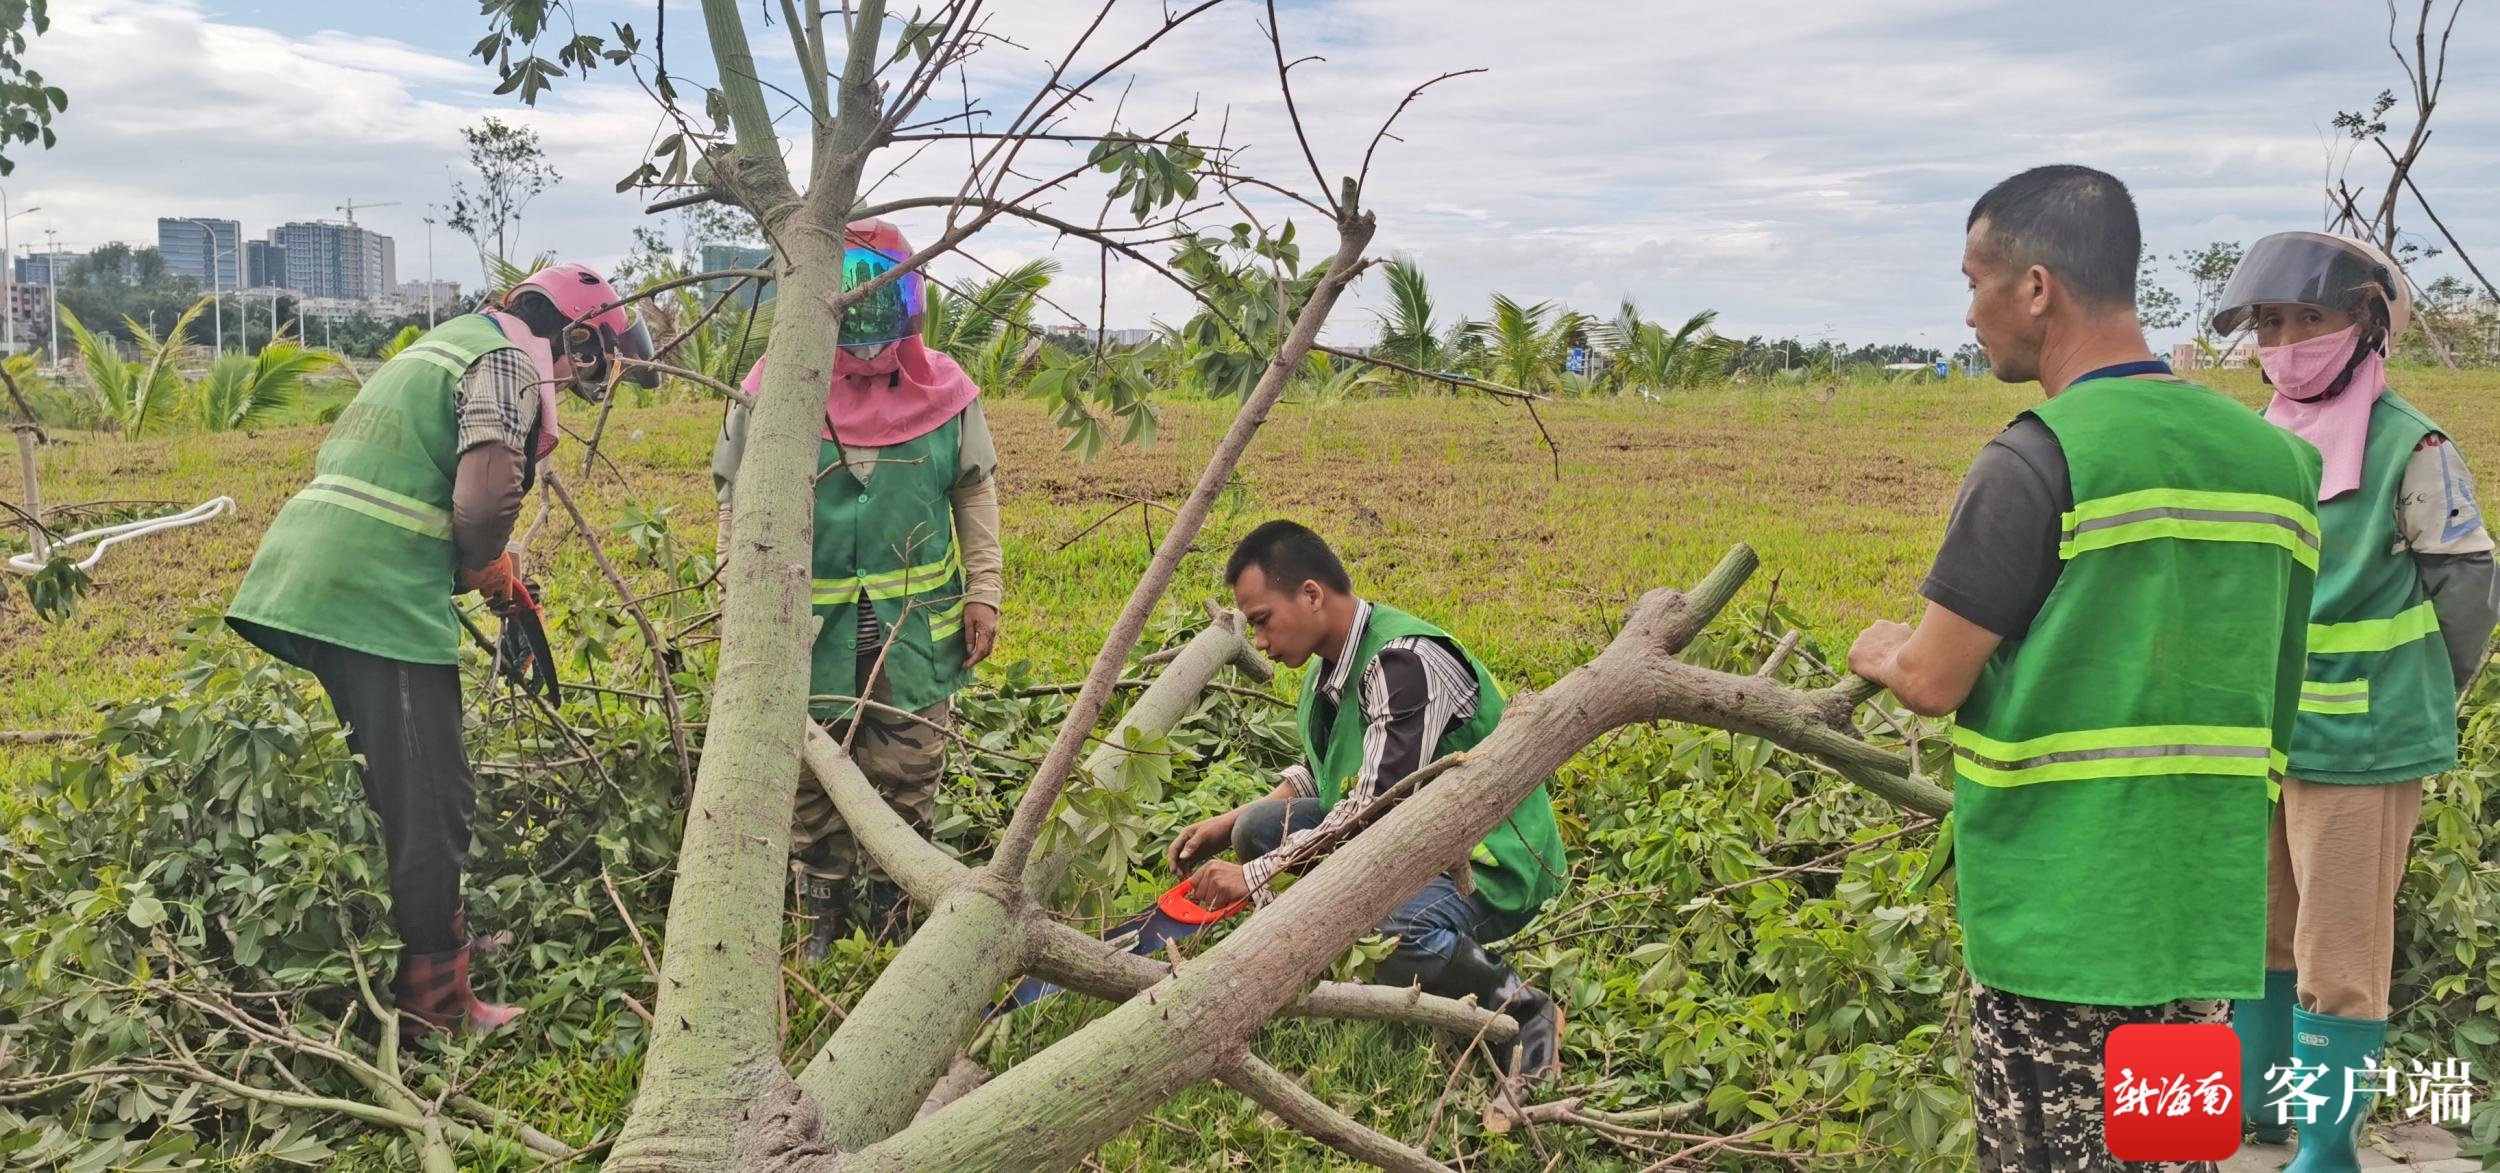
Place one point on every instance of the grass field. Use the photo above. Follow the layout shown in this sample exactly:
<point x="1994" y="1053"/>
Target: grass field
<point x="1706" y="953"/>
<point x="1453" y="507"/>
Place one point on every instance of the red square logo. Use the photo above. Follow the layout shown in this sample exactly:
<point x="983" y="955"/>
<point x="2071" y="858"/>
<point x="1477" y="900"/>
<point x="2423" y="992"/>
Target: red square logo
<point x="2171" y="1092"/>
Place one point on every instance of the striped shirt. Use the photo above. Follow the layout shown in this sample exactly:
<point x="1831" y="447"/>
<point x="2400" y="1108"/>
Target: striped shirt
<point x="1414" y="691"/>
<point x="497" y="402"/>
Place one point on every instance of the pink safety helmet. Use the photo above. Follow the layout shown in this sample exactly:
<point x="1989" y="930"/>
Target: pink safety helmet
<point x="600" y="328"/>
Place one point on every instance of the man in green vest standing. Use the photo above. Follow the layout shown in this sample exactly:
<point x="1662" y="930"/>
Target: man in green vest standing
<point x="413" y="496"/>
<point x="2117" y="619"/>
<point x="1417" y="694"/>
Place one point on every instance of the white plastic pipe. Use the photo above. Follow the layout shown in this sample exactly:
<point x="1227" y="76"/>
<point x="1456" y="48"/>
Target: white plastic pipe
<point x="112" y="535"/>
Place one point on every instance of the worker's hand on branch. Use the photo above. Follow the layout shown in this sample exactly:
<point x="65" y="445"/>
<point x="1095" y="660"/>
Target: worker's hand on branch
<point x="499" y="583"/>
<point x="1871" y="657"/>
<point x="1219" y="884"/>
<point x="980" y="632"/>
<point x="1202" y="840"/>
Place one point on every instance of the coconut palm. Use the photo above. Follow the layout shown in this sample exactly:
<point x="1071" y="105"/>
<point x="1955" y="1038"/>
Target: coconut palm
<point x="132" y="395"/>
<point x="1525" y="345"/>
<point x="1329" y="379"/>
<point x="243" y="391"/>
<point x="989" y="329"/>
<point x="1647" y="357"/>
<point x="1407" y="334"/>
<point x="963" y="324"/>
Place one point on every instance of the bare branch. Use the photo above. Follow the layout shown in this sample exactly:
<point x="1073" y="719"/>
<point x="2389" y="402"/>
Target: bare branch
<point x="1365" y="174"/>
<point x="663" y="668"/>
<point x="1284" y="82"/>
<point x="1295" y="1105"/>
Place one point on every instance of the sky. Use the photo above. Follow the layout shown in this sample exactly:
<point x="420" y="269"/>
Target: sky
<point x="1801" y="166"/>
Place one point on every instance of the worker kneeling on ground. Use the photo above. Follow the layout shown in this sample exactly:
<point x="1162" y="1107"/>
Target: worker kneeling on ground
<point x="413" y="496"/>
<point x="1416" y="695"/>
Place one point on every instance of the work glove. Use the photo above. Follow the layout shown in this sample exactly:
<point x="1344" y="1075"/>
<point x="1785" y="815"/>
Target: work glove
<point x="499" y="583"/>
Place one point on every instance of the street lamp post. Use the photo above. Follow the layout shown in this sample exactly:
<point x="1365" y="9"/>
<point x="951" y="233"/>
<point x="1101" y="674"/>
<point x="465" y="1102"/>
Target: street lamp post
<point x="52" y="288"/>
<point x="8" y="274"/>
<point x="216" y="306"/>
<point x="429" y="272"/>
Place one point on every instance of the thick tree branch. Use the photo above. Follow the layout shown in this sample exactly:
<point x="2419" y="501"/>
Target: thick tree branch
<point x="1066" y="957"/>
<point x="1295" y="1105"/>
<point x="1096" y="1081"/>
<point x="758" y="168"/>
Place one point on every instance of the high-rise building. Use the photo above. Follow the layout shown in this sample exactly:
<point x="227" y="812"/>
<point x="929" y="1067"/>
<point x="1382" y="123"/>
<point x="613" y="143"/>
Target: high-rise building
<point x="717" y="257"/>
<point x="204" y="250"/>
<point x="38" y="268"/>
<point x="264" y="264"/>
<point x="341" y="261"/>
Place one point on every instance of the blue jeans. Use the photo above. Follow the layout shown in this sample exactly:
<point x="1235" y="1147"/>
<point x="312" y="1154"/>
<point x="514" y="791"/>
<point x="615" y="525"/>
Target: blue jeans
<point x="1428" y="926"/>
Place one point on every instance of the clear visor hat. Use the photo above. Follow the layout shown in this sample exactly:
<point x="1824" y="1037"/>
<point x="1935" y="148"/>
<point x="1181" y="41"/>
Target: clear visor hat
<point x="2302" y="268"/>
<point x="891" y="312"/>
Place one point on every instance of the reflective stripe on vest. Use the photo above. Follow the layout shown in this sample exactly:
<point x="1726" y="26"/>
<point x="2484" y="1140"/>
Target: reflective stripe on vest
<point x="2118" y="753"/>
<point x="945" y="623"/>
<point x="2192" y="515"/>
<point x="893" y="584"/>
<point x="380" y="504"/>
<point x="2350" y="696"/>
<point x="2419" y="621"/>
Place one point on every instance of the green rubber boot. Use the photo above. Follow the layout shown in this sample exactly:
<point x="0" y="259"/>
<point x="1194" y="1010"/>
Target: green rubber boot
<point x="2333" y="1144"/>
<point x="2265" y="1030"/>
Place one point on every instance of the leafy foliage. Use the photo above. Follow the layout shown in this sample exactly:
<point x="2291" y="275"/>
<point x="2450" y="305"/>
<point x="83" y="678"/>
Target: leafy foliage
<point x="133" y="395"/>
<point x="1407" y="332"/>
<point x="26" y="103"/>
<point x="1525" y="345"/>
<point x="2156" y="305"/>
<point x="244" y="391"/>
<point x="512" y="170"/>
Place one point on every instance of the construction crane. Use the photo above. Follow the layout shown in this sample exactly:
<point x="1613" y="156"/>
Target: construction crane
<point x="351" y="205"/>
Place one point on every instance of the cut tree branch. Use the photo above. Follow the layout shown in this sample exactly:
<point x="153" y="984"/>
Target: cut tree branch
<point x="1295" y="1105"/>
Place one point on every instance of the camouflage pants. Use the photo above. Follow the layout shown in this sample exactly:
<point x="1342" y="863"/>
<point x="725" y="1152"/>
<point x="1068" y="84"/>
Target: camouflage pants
<point x="2036" y="1080"/>
<point x="903" y="758"/>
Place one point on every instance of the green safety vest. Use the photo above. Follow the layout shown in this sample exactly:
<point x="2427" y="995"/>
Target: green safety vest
<point x="891" y="538"/>
<point x="362" y="557"/>
<point x="2381" y="700"/>
<point x="1517" y="867"/>
<point x="2113" y="769"/>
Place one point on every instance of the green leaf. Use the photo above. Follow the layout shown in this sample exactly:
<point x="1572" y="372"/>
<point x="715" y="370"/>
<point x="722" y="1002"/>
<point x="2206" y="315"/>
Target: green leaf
<point x="146" y="912"/>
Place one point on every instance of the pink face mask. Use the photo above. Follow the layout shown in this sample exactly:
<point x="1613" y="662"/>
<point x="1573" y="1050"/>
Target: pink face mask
<point x="2304" y="370"/>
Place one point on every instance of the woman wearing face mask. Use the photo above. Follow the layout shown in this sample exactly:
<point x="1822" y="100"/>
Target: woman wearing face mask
<point x="907" y="566"/>
<point x="2405" y="602"/>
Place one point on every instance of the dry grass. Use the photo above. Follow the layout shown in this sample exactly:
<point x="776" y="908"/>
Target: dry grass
<point x="1451" y="507"/>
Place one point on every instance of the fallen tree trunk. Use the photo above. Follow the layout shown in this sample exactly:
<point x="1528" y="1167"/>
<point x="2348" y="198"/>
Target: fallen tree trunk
<point x="1195" y="1022"/>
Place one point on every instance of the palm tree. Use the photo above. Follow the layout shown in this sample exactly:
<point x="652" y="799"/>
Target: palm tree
<point x="1329" y="379"/>
<point x="243" y="391"/>
<point x="1406" y="330"/>
<point x="961" y="324"/>
<point x="1647" y="357"/>
<point x="990" y="328"/>
<point x="133" y="395"/>
<point x="1523" y="348"/>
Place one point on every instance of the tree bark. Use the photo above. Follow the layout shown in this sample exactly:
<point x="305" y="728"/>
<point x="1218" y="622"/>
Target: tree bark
<point x="1195" y="1022"/>
<point x="715" y="1037"/>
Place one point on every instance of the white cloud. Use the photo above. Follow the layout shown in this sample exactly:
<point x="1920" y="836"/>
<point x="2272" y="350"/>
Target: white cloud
<point x="1802" y="166"/>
